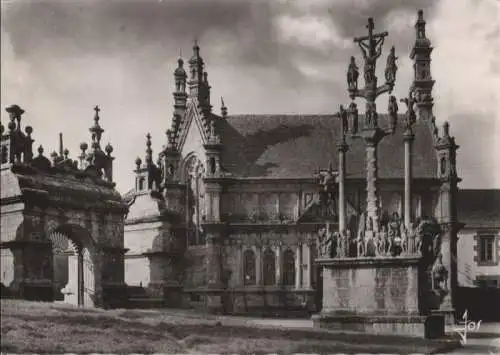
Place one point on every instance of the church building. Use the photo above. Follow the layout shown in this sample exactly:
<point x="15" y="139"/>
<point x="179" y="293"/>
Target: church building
<point x="227" y="217"/>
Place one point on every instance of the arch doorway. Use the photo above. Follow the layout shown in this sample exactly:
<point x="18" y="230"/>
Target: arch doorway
<point x="73" y="265"/>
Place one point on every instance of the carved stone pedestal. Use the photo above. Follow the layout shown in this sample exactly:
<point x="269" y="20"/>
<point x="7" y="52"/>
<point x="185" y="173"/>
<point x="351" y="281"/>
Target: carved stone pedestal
<point x="381" y="295"/>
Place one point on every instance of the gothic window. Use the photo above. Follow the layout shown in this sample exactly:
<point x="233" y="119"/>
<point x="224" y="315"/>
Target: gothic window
<point x="195" y="195"/>
<point x="4" y="154"/>
<point x="269" y="267"/>
<point x="249" y="267"/>
<point x="486" y="248"/>
<point x="288" y="268"/>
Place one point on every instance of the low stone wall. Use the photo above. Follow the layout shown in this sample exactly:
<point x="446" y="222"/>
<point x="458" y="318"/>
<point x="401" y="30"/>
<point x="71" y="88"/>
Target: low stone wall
<point x="252" y="301"/>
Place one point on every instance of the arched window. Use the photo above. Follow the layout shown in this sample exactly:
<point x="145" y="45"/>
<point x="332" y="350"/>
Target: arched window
<point x="269" y="267"/>
<point x="249" y="267"/>
<point x="288" y="268"/>
<point x="4" y="154"/>
<point x="140" y="186"/>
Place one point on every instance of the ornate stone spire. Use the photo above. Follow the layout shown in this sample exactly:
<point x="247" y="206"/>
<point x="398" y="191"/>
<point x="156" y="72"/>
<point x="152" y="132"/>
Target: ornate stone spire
<point x="196" y="65"/>
<point x="96" y="129"/>
<point x="149" y="152"/>
<point x="422" y="79"/>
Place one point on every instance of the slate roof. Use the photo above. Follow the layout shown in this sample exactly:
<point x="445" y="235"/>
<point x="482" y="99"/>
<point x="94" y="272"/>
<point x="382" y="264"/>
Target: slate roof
<point x="479" y="208"/>
<point x="295" y="146"/>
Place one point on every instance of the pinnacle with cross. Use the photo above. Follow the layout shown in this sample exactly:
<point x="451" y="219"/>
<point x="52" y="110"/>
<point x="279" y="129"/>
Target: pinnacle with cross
<point x="96" y="117"/>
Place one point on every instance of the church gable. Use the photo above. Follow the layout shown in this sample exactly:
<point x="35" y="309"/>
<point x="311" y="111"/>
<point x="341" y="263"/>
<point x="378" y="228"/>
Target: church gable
<point x="194" y="137"/>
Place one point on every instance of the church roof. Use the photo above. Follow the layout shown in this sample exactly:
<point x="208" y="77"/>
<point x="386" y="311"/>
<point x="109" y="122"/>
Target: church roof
<point x="479" y="208"/>
<point x="295" y="146"/>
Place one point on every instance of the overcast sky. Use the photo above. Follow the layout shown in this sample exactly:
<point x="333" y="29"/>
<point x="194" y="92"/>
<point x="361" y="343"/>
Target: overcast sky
<point x="61" y="58"/>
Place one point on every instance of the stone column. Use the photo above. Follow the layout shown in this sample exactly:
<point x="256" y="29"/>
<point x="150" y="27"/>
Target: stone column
<point x="240" y="277"/>
<point x="342" y="149"/>
<point x="372" y="205"/>
<point x="449" y="245"/>
<point x="408" y="143"/>
<point x="81" y="281"/>
<point x="308" y="264"/>
<point x="279" y="265"/>
<point x="213" y="260"/>
<point x="214" y="298"/>
<point x="258" y="266"/>
<point x="298" y="266"/>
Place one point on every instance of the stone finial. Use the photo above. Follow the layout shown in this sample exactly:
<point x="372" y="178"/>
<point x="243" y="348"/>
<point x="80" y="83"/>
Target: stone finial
<point x="96" y="129"/>
<point x="66" y="153"/>
<point x="149" y="151"/>
<point x="40" y="150"/>
<point x="223" y="108"/>
<point x="109" y="149"/>
<point x="138" y="163"/>
<point x="420" y="24"/>
<point x="446" y="129"/>
<point x="83" y="146"/>
<point x="28" y="130"/>
<point x="15" y="113"/>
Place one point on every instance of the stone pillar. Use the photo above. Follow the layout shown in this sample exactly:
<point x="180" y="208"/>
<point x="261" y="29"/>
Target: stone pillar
<point x="70" y="291"/>
<point x="408" y="143"/>
<point x="213" y="260"/>
<point x="214" y="297"/>
<point x="308" y="264"/>
<point x="298" y="266"/>
<point x="240" y="277"/>
<point x="81" y="283"/>
<point x="449" y="245"/>
<point x="342" y="149"/>
<point x="212" y="201"/>
<point x="372" y="205"/>
<point x="258" y="266"/>
<point x="279" y="265"/>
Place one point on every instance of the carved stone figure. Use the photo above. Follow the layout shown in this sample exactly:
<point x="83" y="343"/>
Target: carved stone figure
<point x="352" y="75"/>
<point x="391" y="67"/>
<point x="393" y="111"/>
<point x="343" y="119"/>
<point x="439" y="276"/>
<point x="371" y="115"/>
<point x="353" y="113"/>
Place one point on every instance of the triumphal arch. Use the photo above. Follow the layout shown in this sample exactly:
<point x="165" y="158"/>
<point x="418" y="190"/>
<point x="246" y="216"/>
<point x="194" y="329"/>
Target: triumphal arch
<point x="62" y="220"/>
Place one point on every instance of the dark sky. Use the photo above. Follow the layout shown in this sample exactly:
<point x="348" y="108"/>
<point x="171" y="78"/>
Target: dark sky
<point x="60" y="58"/>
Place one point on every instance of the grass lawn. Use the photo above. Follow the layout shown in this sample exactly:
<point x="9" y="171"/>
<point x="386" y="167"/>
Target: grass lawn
<point x="32" y="327"/>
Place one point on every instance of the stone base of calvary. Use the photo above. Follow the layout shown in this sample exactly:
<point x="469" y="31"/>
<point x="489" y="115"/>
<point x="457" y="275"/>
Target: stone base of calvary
<point x="392" y="275"/>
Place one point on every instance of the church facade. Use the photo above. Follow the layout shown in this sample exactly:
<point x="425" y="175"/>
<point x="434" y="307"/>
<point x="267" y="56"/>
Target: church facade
<point x="228" y="215"/>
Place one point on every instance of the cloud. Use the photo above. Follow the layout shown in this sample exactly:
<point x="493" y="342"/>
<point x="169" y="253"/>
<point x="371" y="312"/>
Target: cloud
<point x="61" y="58"/>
